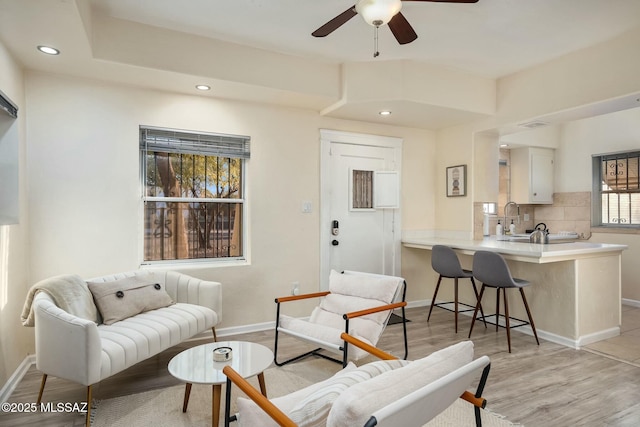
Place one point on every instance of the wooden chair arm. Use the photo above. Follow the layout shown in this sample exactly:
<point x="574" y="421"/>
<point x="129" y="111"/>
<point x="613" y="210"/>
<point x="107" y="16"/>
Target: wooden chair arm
<point x="272" y="410"/>
<point x="367" y="347"/>
<point x="374" y="310"/>
<point x="480" y="402"/>
<point x="303" y="296"/>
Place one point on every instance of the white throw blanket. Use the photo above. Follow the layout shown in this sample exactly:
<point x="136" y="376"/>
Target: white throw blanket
<point x="69" y="292"/>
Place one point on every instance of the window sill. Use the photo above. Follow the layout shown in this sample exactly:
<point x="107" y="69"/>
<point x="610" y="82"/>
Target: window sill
<point x="615" y="230"/>
<point x="194" y="265"/>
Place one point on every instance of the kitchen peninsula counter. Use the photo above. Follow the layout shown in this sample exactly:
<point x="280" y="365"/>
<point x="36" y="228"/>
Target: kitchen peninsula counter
<point x="525" y="252"/>
<point x="575" y="292"/>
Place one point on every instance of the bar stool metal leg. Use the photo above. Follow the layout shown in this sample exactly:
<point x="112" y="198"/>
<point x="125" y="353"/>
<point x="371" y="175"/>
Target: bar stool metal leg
<point x="455" y="303"/>
<point x="433" y="300"/>
<point x="506" y="315"/>
<point x="526" y="306"/>
<point x="475" y="312"/>
<point x="497" y="308"/>
<point x="475" y="291"/>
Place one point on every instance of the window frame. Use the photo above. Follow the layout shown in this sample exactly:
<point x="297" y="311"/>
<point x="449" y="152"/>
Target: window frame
<point x="597" y="191"/>
<point x="242" y="156"/>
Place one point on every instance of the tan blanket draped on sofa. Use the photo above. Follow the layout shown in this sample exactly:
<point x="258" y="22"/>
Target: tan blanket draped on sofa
<point x="69" y="292"/>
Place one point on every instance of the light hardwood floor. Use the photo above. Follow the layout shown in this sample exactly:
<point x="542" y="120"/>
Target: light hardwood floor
<point x="546" y="385"/>
<point x="625" y="347"/>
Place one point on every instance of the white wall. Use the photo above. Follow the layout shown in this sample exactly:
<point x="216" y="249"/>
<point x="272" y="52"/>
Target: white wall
<point x="580" y="140"/>
<point x="84" y="197"/>
<point x="15" y="340"/>
<point x="454" y="215"/>
<point x="605" y="71"/>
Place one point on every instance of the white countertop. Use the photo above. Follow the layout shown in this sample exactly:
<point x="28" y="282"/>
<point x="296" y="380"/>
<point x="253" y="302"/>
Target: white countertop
<point x="527" y="252"/>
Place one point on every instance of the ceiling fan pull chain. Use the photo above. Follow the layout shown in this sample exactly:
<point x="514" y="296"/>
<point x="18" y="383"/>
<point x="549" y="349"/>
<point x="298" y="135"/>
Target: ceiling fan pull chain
<point x="375" y="42"/>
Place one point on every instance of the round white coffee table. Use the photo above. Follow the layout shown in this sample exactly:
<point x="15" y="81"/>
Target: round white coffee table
<point x="196" y="366"/>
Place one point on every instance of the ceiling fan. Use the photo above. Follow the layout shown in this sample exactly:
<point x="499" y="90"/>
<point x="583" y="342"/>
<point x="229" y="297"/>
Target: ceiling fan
<point x="378" y="13"/>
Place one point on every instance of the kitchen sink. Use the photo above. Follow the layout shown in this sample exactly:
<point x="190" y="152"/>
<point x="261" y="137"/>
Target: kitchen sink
<point x="553" y="238"/>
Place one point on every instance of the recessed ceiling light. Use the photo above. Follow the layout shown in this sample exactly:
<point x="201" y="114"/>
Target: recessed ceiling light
<point x="203" y="87"/>
<point x="504" y="145"/>
<point x="49" y="50"/>
<point x="385" y="113"/>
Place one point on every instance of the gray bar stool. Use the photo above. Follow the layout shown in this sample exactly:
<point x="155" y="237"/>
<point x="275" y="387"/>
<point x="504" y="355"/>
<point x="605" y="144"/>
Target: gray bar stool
<point x="492" y="270"/>
<point x="445" y="262"/>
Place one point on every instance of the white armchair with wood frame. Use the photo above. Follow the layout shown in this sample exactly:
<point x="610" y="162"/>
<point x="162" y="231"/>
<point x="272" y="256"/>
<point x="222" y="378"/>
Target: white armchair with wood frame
<point x="357" y="303"/>
<point x="389" y="392"/>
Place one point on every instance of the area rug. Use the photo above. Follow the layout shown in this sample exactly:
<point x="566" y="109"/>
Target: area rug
<point x="163" y="407"/>
<point x="395" y="319"/>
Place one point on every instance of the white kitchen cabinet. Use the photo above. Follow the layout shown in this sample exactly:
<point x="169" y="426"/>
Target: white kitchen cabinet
<point x="532" y="175"/>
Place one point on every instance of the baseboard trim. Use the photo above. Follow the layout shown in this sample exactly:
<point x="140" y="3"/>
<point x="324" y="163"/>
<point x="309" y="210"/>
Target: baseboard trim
<point x="630" y="302"/>
<point x="567" y="342"/>
<point x="598" y="336"/>
<point x="418" y="303"/>
<point x="16" y="377"/>
<point x="245" y="329"/>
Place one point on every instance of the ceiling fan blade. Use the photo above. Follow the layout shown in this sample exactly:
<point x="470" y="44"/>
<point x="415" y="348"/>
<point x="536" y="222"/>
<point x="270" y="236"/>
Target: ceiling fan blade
<point x="335" y="23"/>
<point x="401" y="29"/>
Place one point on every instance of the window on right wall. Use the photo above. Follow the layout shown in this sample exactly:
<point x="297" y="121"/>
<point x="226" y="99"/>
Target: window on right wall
<point x="616" y="190"/>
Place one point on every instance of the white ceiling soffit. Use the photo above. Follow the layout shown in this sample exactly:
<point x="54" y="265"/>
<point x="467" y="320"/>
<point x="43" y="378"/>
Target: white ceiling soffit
<point x="262" y="50"/>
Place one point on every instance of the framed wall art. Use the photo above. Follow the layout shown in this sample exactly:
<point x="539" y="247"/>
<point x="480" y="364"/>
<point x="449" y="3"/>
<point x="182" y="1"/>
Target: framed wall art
<point x="457" y="181"/>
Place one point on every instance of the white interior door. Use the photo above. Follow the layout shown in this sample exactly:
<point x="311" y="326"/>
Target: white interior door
<point x="366" y="238"/>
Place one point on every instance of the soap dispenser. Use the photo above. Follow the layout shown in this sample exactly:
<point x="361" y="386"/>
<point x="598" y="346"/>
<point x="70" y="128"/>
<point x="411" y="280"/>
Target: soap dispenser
<point x="499" y="229"/>
<point x="512" y="228"/>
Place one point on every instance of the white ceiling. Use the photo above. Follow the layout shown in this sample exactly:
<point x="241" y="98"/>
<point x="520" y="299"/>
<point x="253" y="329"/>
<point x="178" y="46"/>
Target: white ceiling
<point x="490" y="39"/>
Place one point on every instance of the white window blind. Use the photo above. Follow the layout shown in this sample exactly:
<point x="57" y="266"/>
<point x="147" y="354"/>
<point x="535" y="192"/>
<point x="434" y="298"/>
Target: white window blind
<point x="210" y="144"/>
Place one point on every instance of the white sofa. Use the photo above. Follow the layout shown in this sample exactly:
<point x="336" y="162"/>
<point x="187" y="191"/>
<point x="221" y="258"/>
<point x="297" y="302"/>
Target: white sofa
<point x="86" y="352"/>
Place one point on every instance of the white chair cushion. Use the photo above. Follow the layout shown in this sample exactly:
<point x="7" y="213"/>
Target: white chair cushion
<point x="137" y="338"/>
<point x="325" y="334"/>
<point x="355" y="292"/>
<point x="250" y="414"/>
<point x="366" y="286"/>
<point x="357" y="403"/>
<point x="341" y="304"/>
<point x="312" y="411"/>
<point x="310" y="406"/>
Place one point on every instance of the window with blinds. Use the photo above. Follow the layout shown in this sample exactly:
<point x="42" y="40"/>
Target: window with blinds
<point x="193" y="194"/>
<point x="616" y="189"/>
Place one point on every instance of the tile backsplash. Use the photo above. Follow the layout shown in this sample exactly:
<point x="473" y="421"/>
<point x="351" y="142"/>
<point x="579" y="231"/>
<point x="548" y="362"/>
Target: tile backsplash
<point x="569" y="212"/>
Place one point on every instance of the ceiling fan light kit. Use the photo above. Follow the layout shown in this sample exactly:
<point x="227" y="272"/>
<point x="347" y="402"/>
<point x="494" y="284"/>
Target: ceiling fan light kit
<point x="378" y="13"/>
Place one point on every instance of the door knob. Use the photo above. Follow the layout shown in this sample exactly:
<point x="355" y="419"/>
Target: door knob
<point x="335" y="242"/>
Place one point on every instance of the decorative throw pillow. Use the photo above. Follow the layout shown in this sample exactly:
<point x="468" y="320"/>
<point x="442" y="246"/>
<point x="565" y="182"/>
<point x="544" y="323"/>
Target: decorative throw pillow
<point x="127" y="297"/>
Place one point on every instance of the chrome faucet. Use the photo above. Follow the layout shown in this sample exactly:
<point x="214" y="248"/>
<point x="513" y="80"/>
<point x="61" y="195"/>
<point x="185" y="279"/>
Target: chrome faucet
<point x="506" y="226"/>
